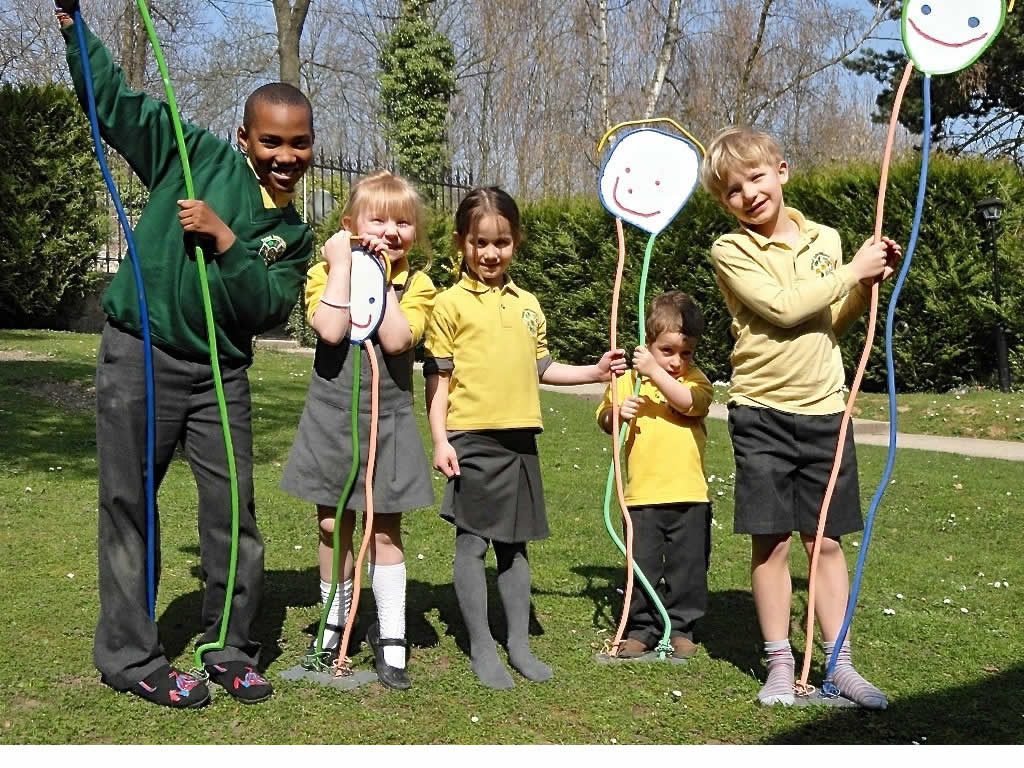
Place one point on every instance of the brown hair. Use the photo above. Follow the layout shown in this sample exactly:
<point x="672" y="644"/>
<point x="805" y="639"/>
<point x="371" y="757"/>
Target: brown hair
<point x="736" y="148"/>
<point x="673" y="312"/>
<point x="478" y="203"/>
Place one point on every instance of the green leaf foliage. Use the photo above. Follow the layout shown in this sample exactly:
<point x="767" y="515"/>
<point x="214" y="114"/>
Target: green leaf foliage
<point x="943" y="327"/>
<point x="417" y="80"/>
<point x="49" y="182"/>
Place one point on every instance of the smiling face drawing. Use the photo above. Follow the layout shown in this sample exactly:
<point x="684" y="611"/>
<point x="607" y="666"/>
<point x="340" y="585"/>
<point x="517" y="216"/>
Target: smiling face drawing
<point x="647" y="178"/>
<point x="367" y="295"/>
<point x="943" y="36"/>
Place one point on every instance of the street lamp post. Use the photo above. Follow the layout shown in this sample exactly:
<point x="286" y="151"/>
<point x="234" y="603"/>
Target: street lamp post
<point x="989" y="211"/>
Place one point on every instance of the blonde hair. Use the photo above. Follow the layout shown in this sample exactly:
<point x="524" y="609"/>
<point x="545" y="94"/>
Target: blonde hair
<point x="393" y="197"/>
<point x="736" y="148"/>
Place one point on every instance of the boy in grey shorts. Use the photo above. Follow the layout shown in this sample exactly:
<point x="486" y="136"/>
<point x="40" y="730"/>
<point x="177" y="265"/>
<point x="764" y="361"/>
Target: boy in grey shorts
<point x="790" y="296"/>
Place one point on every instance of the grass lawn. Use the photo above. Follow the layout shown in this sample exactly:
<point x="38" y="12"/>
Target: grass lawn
<point x="982" y="413"/>
<point x="934" y="626"/>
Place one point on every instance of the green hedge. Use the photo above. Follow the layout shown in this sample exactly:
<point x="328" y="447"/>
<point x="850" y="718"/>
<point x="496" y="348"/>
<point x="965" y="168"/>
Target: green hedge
<point x="946" y="315"/>
<point x="49" y="182"/>
<point x="944" y="324"/>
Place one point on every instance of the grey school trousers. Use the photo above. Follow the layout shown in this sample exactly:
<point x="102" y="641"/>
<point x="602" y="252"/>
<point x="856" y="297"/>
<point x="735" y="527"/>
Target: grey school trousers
<point x="126" y="647"/>
<point x="672" y="546"/>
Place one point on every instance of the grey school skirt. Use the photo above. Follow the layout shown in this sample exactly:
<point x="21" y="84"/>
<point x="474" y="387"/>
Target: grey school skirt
<point x="321" y="456"/>
<point x="498" y="494"/>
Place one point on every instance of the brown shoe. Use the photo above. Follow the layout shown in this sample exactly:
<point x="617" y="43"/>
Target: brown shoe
<point x="631" y="649"/>
<point x="683" y="647"/>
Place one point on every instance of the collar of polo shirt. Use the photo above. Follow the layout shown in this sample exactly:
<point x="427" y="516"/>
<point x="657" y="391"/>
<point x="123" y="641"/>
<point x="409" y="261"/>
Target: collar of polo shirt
<point x="471" y="284"/>
<point x="808" y="230"/>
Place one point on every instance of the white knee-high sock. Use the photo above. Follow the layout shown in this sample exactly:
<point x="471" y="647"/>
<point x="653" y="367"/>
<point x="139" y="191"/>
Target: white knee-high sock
<point x="389" y="592"/>
<point x="338" y="614"/>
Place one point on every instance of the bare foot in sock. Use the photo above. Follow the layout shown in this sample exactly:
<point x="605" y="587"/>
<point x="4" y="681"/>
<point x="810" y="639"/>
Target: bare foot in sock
<point x="856" y="688"/>
<point x="528" y="665"/>
<point x="489" y="669"/>
<point x="778" y="688"/>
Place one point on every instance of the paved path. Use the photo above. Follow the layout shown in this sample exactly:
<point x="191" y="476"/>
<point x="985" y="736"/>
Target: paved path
<point x="868" y="432"/>
<point x="865" y="432"/>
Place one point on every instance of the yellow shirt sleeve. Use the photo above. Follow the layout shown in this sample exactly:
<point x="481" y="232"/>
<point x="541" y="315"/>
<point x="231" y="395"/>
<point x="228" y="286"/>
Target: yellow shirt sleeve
<point x="418" y="303"/>
<point x="316" y="282"/>
<point x="783" y="306"/>
<point x="440" y="333"/>
<point x="701" y="391"/>
<point x="542" y="334"/>
<point x="625" y="384"/>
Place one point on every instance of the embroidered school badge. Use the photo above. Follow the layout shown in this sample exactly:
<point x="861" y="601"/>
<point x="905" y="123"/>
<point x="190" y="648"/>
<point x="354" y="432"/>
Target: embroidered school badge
<point x="822" y="264"/>
<point x="531" y="321"/>
<point x="272" y="248"/>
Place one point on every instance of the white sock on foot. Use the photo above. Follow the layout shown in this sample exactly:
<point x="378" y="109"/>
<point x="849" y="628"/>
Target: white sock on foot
<point x="389" y="592"/>
<point x="338" y="614"/>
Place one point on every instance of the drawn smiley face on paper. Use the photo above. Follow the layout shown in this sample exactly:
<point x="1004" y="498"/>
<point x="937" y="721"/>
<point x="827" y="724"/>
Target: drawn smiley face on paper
<point x="647" y="177"/>
<point x="368" y="293"/>
<point x="943" y="36"/>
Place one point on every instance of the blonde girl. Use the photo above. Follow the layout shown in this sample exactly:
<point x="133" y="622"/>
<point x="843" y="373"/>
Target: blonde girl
<point x="486" y="354"/>
<point x="386" y="214"/>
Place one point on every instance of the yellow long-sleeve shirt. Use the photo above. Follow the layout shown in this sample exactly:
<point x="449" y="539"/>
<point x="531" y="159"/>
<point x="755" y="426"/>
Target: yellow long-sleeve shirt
<point x="788" y="305"/>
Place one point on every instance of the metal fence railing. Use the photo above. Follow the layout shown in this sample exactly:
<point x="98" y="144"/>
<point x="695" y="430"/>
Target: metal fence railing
<point x="324" y="187"/>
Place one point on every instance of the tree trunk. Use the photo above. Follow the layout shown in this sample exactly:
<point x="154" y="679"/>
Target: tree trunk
<point x="134" y="43"/>
<point x="289" y="32"/>
<point x="668" y="47"/>
<point x="603" y="63"/>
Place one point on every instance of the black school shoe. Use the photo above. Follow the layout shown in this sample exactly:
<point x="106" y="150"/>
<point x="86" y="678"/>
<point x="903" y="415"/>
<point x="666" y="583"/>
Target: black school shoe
<point x="241" y="680"/>
<point x="392" y="677"/>
<point x="170" y="687"/>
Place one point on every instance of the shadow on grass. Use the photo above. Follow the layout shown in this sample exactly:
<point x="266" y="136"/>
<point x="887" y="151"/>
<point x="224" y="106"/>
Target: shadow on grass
<point x="283" y="590"/>
<point x="986" y="712"/>
<point x="728" y="631"/>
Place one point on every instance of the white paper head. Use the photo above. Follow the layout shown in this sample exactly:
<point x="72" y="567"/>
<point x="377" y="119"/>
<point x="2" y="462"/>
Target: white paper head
<point x="368" y="293"/>
<point x="943" y="36"/>
<point x="647" y="177"/>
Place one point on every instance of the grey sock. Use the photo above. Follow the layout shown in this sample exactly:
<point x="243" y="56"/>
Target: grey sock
<point x="849" y="681"/>
<point x="470" y="581"/>
<point x="514" y="587"/>
<point x="778" y="688"/>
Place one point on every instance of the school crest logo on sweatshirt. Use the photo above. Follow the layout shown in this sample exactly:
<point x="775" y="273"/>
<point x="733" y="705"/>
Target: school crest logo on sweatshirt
<point x="272" y="248"/>
<point x="531" y="321"/>
<point x="822" y="264"/>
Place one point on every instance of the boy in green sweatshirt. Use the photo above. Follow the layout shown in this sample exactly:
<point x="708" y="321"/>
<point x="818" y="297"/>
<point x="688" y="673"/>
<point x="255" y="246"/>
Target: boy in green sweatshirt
<point x="257" y="248"/>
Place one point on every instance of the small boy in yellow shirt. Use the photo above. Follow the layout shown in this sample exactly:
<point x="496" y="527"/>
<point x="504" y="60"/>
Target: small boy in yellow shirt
<point x="666" y="493"/>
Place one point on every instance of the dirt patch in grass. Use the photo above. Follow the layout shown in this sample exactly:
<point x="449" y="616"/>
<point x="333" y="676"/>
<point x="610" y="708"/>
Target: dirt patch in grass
<point x="18" y="356"/>
<point x="66" y="395"/>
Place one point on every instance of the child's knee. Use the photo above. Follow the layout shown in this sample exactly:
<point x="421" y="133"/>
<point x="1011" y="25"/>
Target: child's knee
<point x="387" y="536"/>
<point x="769" y="547"/>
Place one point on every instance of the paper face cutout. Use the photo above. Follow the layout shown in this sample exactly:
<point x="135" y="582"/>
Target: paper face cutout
<point x="943" y="36"/>
<point x="647" y="177"/>
<point x="368" y="294"/>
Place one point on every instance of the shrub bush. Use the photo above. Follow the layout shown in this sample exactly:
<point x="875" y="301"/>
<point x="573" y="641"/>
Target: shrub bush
<point x="943" y="335"/>
<point x="50" y="184"/>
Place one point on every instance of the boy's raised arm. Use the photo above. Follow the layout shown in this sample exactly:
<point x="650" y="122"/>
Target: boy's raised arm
<point x="138" y="126"/>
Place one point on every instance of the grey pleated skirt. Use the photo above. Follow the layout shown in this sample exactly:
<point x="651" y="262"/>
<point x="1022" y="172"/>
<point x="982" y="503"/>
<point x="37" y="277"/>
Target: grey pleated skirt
<point x="498" y="494"/>
<point x="321" y="456"/>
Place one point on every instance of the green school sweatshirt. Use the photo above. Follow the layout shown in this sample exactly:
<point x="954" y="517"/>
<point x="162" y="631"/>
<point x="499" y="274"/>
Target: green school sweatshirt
<point x="253" y="285"/>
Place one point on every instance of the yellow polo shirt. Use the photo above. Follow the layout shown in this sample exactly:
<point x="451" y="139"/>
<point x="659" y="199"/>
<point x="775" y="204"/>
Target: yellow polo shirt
<point x="788" y="306"/>
<point x="664" y="448"/>
<point x="416" y="303"/>
<point x="271" y="199"/>
<point x="492" y="340"/>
